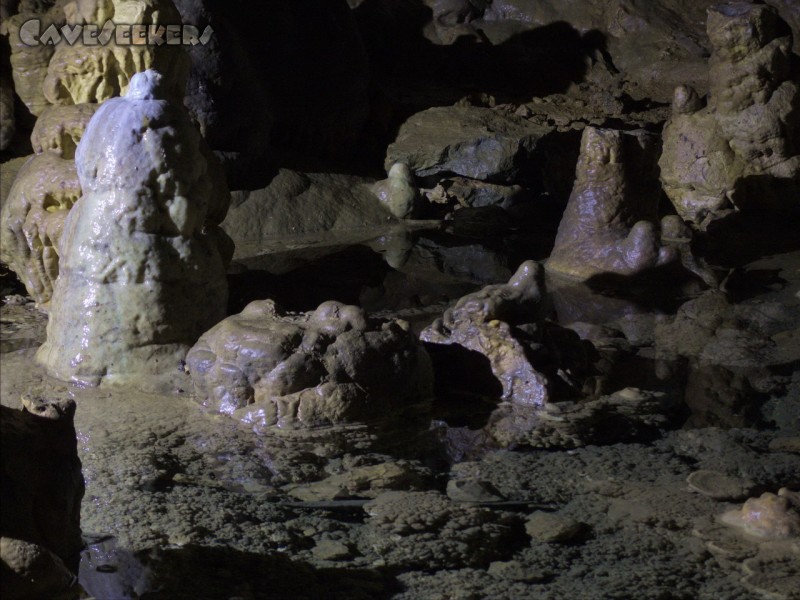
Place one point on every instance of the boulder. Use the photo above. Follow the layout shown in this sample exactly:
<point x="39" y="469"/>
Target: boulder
<point x="469" y="141"/>
<point x="296" y="204"/>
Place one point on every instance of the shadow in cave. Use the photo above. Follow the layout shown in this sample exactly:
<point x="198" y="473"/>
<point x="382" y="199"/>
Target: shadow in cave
<point x="410" y="73"/>
<point x="340" y="275"/>
<point x="466" y="390"/>
<point x="662" y="289"/>
<point x="745" y="236"/>
<point x="537" y="62"/>
<point x="208" y="573"/>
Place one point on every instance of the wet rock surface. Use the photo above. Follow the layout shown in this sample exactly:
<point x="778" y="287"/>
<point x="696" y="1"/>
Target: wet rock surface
<point x="404" y="169"/>
<point x="268" y="368"/>
<point x="157" y="248"/>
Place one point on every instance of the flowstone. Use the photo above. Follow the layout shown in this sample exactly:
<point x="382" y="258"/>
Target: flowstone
<point x="141" y="247"/>
<point x="741" y="151"/>
<point x="329" y="366"/>
<point x="604" y="228"/>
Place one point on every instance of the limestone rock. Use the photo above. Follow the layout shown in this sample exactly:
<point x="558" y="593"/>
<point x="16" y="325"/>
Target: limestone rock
<point x="551" y="528"/>
<point x="718" y="486"/>
<point x="32" y="221"/>
<point x="8" y="174"/>
<point x="604" y="229"/>
<point x="29" y="62"/>
<point x="329" y="366"/>
<point x="740" y="152"/>
<point x="472" y="193"/>
<point x="41" y="493"/>
<point x="78" y="74"/>
<point x="479" y="143"/>
<point x="142" y="243"/>
<point x="59" y="129"/>
<point x="623" y="415"/>
<point x="505" y="323"/>
<point x="365" y="481"/>
<point x="712" y="330"/>
<point x="31" y="571"/>
<point x="331" y="550"/>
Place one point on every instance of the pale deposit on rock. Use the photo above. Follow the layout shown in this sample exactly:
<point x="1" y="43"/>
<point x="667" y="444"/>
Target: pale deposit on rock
<point x="329" y="366"/>
<point x="141" y="249"/>
<point x="770" y="517"/>
<point x="604" y="229"/>
<point x="741" y="151"/>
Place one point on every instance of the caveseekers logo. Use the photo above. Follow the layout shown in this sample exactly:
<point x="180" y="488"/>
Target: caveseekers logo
<point x="31" y="34"/>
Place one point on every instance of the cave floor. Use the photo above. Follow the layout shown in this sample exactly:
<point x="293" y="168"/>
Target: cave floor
<point x="181" y="503"/>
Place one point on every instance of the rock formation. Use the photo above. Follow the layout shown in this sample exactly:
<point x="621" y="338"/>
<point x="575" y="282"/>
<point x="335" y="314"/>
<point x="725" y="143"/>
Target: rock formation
<point x="741" y="151"/>
<point x="604" y="229"/>
<point x="506" y="323"/>
<point x="41" y="492"/>
<point x="329" y="366"/>
<point x="80" y="73"/>
<point x="398" y="192"/>
<point x="474" y="142"/>
<point x="63" y="85"/>
<point x="143" y="273"/>
<point x="40" y="198"/>
<point x="32" y="220"/>
<point x="769" y="517"/>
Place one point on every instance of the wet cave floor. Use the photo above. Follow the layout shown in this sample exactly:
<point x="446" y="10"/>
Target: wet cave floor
<point x="182" y="503"/>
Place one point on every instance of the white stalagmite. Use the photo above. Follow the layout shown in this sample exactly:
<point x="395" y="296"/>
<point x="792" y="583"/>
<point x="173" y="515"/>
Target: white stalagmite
<point x="143" y="262"/>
